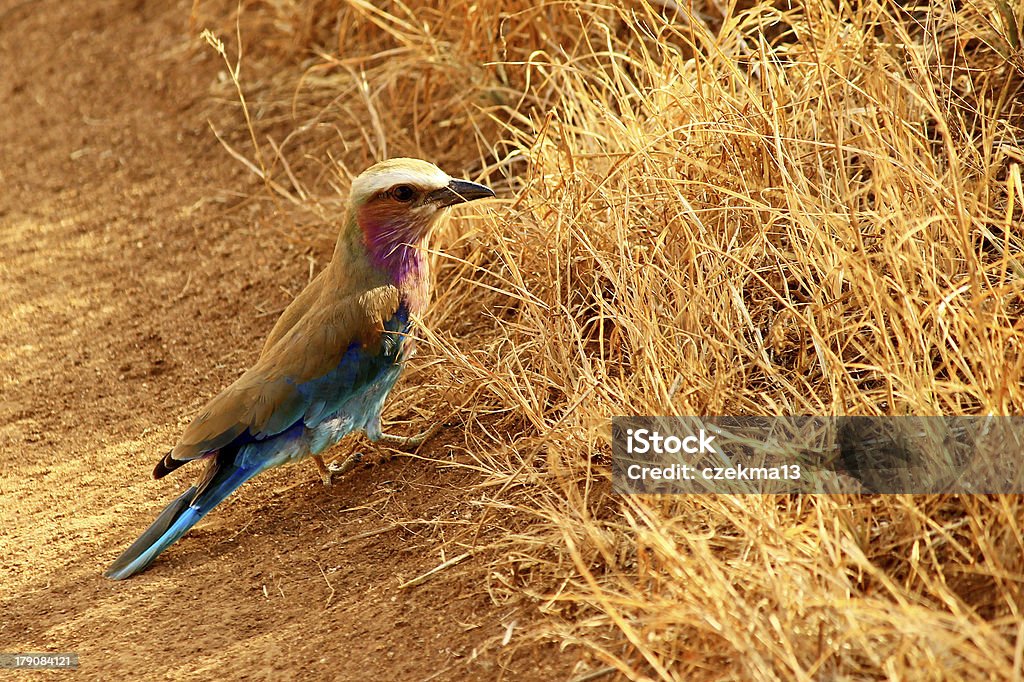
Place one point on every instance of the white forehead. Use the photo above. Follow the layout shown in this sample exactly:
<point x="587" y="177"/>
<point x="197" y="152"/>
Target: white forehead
<point x="387" y="174"/>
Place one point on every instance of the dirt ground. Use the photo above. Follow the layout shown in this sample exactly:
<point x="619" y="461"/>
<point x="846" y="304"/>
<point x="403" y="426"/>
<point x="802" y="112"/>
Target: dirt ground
<point x="134" y="286"/>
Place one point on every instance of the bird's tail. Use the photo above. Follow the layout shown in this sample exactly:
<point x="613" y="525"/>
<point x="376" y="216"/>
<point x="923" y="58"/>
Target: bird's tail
<point x="177" y="518"/>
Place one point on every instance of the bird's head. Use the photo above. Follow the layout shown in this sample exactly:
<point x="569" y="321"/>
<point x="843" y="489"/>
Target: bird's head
<point x="395" y="204"/>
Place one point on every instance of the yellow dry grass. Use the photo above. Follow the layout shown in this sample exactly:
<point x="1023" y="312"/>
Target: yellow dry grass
<point x="710" y="208"/>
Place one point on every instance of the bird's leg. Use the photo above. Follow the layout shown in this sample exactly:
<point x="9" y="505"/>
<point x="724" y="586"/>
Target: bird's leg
<point x="329" y="472"/>
<point x="410" y="442"/>
<point x="325" y="473"/>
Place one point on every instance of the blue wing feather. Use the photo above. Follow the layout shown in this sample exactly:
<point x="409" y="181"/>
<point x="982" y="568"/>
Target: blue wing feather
<point x="358" y="370"/>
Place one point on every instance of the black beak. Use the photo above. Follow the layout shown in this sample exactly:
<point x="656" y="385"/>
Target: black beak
<point x="459" y="192"/>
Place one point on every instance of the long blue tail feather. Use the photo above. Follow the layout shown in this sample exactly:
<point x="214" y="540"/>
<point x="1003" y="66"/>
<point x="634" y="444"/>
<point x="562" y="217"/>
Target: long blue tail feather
<point x="176" y="519"/>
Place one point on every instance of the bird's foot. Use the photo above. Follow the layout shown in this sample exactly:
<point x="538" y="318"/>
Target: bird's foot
<point x="331" y="472"/>
<point x="409" y="442"/>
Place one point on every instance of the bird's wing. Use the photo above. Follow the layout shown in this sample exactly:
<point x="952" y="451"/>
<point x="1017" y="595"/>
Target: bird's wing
<point x="295" y="311"/>
<point x="327" y="355"/>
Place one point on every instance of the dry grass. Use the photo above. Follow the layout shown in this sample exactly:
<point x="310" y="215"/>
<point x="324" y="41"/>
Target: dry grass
<point x="709" y="210"/>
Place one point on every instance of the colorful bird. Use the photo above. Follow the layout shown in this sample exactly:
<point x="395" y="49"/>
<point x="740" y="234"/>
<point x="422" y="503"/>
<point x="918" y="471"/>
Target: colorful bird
<point x="331" y="359"/>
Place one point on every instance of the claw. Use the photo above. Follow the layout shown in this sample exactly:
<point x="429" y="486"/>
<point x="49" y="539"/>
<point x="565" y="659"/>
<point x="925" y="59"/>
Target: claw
<point x="410" y="442"/>
<point x="331" y="472"/>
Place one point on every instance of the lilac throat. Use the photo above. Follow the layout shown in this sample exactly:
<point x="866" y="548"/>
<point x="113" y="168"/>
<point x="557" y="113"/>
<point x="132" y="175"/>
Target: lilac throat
<point x="390" y="249"/>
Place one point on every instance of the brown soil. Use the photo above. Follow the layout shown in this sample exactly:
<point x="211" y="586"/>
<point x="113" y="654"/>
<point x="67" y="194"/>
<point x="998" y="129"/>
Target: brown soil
<point x="136" y="284"/>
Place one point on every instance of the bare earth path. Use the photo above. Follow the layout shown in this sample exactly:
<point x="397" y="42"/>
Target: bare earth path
<point x="129" y="293"/>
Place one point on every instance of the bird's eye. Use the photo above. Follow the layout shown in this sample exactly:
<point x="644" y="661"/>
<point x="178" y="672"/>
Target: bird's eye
<point x="403" y="193"/>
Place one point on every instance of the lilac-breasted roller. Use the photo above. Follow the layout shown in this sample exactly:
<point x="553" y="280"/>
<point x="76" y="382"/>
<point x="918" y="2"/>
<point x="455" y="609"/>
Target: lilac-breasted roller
<point x="331" y="359"/>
